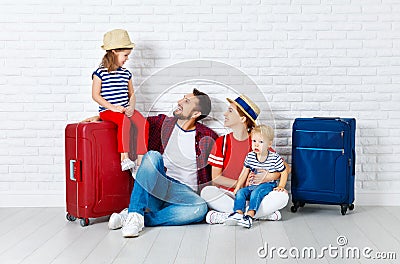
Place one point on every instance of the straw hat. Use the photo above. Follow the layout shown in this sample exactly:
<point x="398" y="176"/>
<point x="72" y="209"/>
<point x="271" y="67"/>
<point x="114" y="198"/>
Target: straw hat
<point x="249" y="108"/>
<point x="117" y="39"/>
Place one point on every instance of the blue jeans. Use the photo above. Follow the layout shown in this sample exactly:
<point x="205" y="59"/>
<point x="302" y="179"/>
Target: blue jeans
<point x="163" y="200"/>
<point x="253" y="193"/>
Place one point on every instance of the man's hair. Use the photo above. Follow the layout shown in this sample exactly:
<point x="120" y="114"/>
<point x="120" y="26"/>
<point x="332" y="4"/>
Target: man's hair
<point x="204" y="105"/>
<point x="266" y="132"/>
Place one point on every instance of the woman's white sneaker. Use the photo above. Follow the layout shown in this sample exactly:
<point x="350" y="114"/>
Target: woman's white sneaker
<point x="214" y="217"/>
<point x="276" y="216"/>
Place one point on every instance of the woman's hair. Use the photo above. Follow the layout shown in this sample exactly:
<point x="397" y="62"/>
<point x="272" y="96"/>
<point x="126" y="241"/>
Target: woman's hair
<point x="266" y="132"/>
<point x="249" y="124"/>
<point x="109" y="60"/>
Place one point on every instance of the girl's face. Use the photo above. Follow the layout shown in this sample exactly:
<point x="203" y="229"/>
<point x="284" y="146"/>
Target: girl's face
<point x="121" y="56"/>
<point x="259" y="145"/>
<point x="232" y="116"/>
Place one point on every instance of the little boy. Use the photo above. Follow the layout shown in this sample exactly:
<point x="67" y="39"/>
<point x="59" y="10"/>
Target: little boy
<point x="260" y="158"/>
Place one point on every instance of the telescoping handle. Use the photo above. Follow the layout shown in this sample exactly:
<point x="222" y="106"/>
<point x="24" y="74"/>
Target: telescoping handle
<point x="75" y="170"/>
<point x="327" y="117"/>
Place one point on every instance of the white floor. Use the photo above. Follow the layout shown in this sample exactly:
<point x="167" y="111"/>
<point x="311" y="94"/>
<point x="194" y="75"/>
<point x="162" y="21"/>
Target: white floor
<point x="43" y="235"/>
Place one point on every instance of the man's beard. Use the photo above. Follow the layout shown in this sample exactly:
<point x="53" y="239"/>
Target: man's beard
<point x="181" y="116"/>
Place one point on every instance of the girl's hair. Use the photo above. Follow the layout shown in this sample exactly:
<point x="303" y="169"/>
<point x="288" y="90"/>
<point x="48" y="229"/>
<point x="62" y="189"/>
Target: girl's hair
<point x="249" y="124"/>
<point x="109" y="60"/>
<point x="266" y="132"/>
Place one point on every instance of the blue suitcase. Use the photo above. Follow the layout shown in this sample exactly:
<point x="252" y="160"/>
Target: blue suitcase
<point x="323" y="160"/>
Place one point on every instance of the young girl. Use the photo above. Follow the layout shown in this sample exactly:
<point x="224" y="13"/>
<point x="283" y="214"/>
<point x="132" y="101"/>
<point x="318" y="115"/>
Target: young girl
<point x="260" y="158"/>
<point x="112" y="89"/>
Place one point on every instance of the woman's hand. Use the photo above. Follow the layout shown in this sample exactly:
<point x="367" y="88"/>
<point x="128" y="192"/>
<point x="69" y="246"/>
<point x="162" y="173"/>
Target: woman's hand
<point x="280" y="189"/>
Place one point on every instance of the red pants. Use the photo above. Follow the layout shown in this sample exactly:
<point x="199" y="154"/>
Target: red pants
<point x="135" y="127"/>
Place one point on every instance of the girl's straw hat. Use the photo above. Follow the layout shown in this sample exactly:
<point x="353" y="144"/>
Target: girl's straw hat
<point x="249" y="108"/>
<point x="117" y="39"/>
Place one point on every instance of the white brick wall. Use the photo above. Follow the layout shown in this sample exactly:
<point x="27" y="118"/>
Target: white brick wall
<point x="309" y="58"/>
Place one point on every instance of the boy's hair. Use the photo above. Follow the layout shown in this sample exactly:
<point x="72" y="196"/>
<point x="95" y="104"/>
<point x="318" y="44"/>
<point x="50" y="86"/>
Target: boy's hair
<point x="108" y="60"/>
<point x="204" y="105"/>
<point x="266" y="132"/>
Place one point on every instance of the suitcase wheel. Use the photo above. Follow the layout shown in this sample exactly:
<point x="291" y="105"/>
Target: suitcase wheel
<point x="70" y="218"/>
<point x="343" y="208"/>
<point x="351" y="207"/>
<point x="84" y="222"/>
<point x="296" y="205"/>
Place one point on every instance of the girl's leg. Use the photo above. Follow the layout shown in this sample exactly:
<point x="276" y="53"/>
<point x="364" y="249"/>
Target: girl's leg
<point x="140" y="135"/>
<point x="116" y="118"/>
<point x="217" y="199"/>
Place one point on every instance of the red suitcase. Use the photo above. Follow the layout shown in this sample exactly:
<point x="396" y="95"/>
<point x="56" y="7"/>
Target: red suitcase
<point x="95" y="184"/>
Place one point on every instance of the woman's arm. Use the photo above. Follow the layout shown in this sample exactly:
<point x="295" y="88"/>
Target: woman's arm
<point x="219" y="179"/>
<point x="242" y="179"/>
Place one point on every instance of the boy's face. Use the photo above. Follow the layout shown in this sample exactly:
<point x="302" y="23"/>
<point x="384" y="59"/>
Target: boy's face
<point x="121" y="56"/>
<point x="259" y="144"/>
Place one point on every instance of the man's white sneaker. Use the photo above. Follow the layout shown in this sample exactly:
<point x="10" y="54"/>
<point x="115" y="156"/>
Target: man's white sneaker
<point x="132" y="225"/>
<point x="233" y="219"/>
<point x="276" y="216"/>
<point x="116" y="219"/>
<point x="214" y="217"/>
<point x="127" y="164"/>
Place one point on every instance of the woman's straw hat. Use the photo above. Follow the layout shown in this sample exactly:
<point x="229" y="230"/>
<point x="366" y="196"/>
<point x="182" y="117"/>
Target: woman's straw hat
<point x="117" y="39"/>
<point x="249" y="108"/>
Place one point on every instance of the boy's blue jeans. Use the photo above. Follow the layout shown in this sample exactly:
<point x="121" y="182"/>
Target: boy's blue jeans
<point x="163" y="200"/>
<point x="253" y="193"/>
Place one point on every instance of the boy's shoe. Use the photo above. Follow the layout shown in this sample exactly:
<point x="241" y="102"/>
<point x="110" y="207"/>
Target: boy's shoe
<point x="246" y="221"/>
<point x="276" y="216"/>
<point x="132" y="225"/>
<point x="233" y="219"/>
<point x="127" y="164"/>
<point x="214" y="217"/>
<point x="116" y="219"/>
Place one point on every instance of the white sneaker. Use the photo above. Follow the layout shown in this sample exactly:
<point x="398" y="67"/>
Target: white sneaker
<point x="132" y="225"/>
<point x="116" y="219"/>
<point x="214" y="217"/>
<point x="233" y="219"/>
<point x="246" y="221"/>
<point x="133" y="171"/>
<point x="127" y="164"/>
<point x="276" y="216"/>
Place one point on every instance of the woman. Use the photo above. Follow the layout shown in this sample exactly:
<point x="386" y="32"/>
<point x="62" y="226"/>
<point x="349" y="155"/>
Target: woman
<point x="226" y="159"/>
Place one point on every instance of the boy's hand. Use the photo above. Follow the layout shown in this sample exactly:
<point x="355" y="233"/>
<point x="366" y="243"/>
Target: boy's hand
<point x="118" y="109"/>
<point x="129" y="111"/>
<point x="235" y="191"/>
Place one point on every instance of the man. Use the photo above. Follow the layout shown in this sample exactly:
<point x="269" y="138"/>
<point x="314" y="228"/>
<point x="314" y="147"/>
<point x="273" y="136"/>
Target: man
<point x="173" y="171"/>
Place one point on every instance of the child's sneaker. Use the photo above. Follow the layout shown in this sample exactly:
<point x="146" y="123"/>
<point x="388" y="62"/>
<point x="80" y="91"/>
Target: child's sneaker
<point x="127" y="164"/>
<point x="214" y="217"/>
<point x="233" y="219"/>
<point x="133" y="171"/>
<point x="246" y="221"/>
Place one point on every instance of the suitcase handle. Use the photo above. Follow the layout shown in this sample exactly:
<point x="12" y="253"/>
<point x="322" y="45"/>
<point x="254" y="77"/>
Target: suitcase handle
<point x="327" y="117"/>
<point x="75" y="170"/>
<point x="353" y="153"/>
